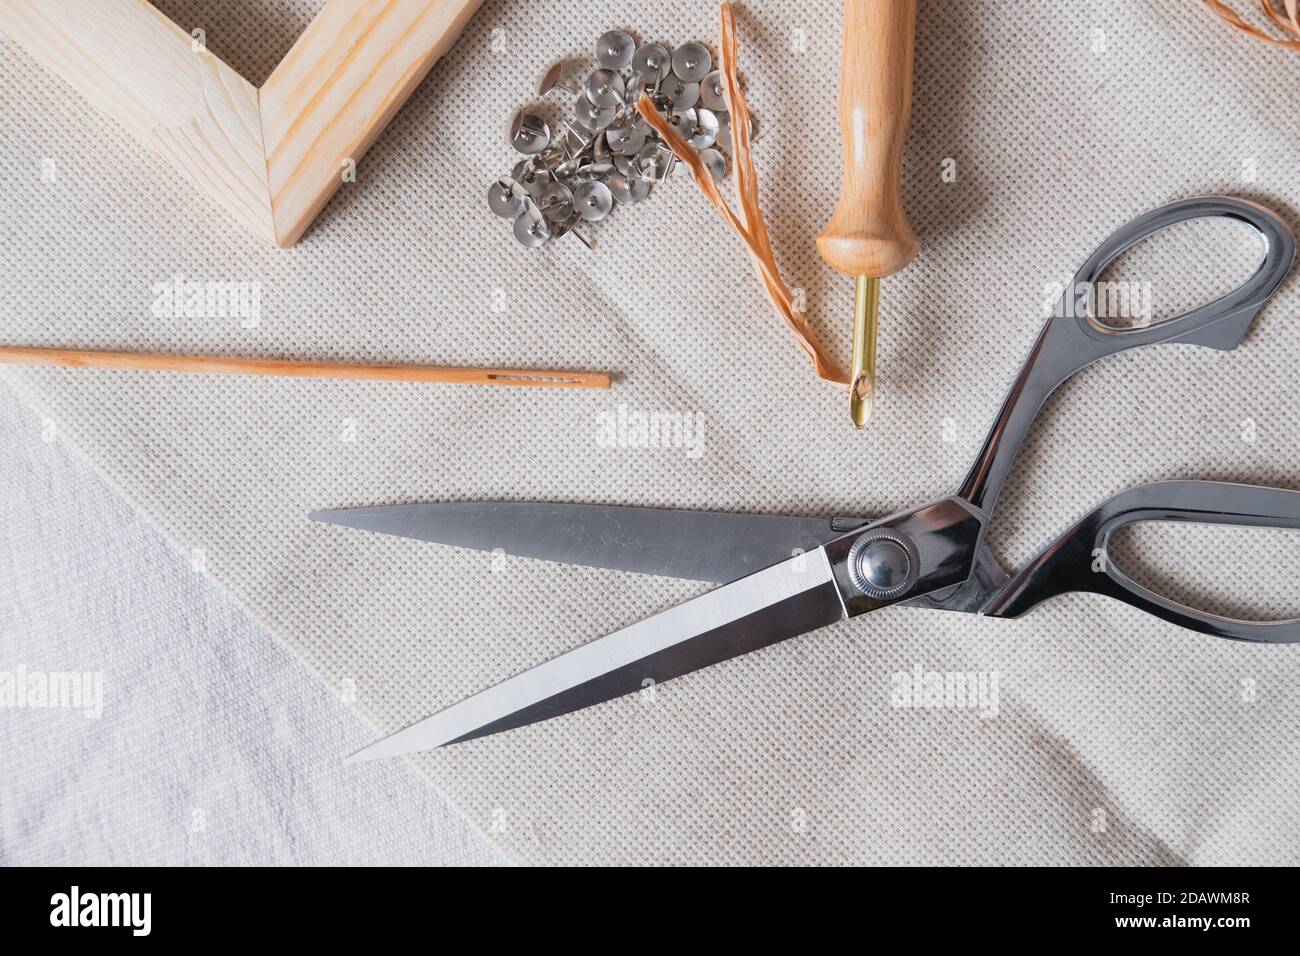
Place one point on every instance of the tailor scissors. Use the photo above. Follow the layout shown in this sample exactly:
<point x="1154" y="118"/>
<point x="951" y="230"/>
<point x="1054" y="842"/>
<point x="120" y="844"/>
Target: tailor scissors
<point x="933" y="556"/>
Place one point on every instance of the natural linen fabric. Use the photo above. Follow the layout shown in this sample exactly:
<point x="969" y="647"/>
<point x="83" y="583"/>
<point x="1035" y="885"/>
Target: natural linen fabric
<point x="1117" y="739"/>
<point x="214" y="748"/>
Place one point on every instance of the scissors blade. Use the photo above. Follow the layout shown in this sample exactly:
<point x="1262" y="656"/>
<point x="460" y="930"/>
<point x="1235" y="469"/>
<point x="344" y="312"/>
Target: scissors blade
<point x="787" y="599"/>
<point x="696" y="545"/>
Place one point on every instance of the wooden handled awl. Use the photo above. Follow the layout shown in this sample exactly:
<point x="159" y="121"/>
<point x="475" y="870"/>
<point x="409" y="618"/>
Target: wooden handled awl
<point x="868" y="235"/>
<point x="149" y="362"/>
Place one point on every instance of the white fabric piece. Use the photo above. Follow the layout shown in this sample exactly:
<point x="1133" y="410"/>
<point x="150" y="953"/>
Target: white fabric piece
<point x="1118" y="738"/>
<point x="213" y="745"/>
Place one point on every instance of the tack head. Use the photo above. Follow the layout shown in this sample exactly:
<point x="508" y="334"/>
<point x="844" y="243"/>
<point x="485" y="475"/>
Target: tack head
<point x="625" y="140"/>
<point x="529" y="133"/>
<point x="593" y="200"/>
<point x="605" y="89"/>
<point x="628" y="190"/>
<point x="652" y="61"/>
<point x="681" y="94"/>
<point x="705" y="131"/>
<point x="614" y="50"/>
<point x="692" y="62"/>
<point x="525" y="174"/>
<point x="682" y="122"/>
<point x="625" y="163"/>
<point x="634" y="86"/>
<point x="530" y="229"/>
<point x="715" y="162"/>
<point x="556" y="203"/>
<point x="655" y="162"/>
<point x="713" y="91"/>
<point x="595" y="170"/>
<point x="551" y="78"/>
<point x="506" y="198"/>
<point x="591" y="116"/>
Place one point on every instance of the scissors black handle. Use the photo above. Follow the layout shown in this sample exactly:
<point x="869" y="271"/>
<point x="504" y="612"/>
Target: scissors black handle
<point x="1072" y="338"/>
<point x="1077" y="560"/>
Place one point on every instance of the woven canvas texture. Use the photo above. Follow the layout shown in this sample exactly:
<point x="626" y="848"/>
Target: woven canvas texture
<point x="212" y="744"/>
<point x="1117" y="738"/>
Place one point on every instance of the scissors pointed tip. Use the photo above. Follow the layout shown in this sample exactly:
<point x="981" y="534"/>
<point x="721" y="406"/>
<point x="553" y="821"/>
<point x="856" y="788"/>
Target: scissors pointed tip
<point x="328" y="516"/>
<point x="362" y="519"/>
<point x="386" y="747"/>
<point x="432" y="733"/>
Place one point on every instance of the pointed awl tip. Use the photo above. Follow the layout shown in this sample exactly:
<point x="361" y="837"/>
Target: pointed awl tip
<point x="862" y="390"/>
<point x="861" y="401"/>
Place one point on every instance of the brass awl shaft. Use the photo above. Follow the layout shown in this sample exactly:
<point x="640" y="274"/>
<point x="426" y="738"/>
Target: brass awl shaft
<point x="868" y="236"/>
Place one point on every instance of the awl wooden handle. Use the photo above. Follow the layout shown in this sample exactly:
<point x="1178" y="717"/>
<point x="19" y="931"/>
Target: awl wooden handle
<point x="869" y="234"/>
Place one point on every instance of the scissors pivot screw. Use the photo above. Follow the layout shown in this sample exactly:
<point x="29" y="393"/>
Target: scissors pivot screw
<point x="883" y="565"/>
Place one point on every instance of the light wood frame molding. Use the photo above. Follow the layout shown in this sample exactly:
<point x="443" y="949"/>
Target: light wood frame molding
<point x="272" y="156"/>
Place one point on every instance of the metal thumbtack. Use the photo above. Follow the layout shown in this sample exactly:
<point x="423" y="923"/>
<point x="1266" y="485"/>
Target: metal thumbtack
<point x="529" y="133"/>
<point x="655" y="162"/>
<point x="628" y="189"/>
<point x="715" y="162"/>
<point x="605" y="89"/>
<point x="634" y="86"/>
<point x="625" y="140"/>
<point x="530" y="228"/>
<point x="556" y="203"/>
<point x="553" y="79"/>
<point x="704" y="131"/>
<point x="683" y="95"/>
<point x="526" y="176"/>
<point x="593" y="200"/>
<point x="606" y="154"/>
<point x="625" y="164"/>
<point x="683" y="123"/>
<point x="692" y="62"/>
<point x="712" y="93"/>
<point x="614" y="50"/>
<point x="507" y="198"/>
<point x="591" y="116"/>
<point x="653" y="62"/>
